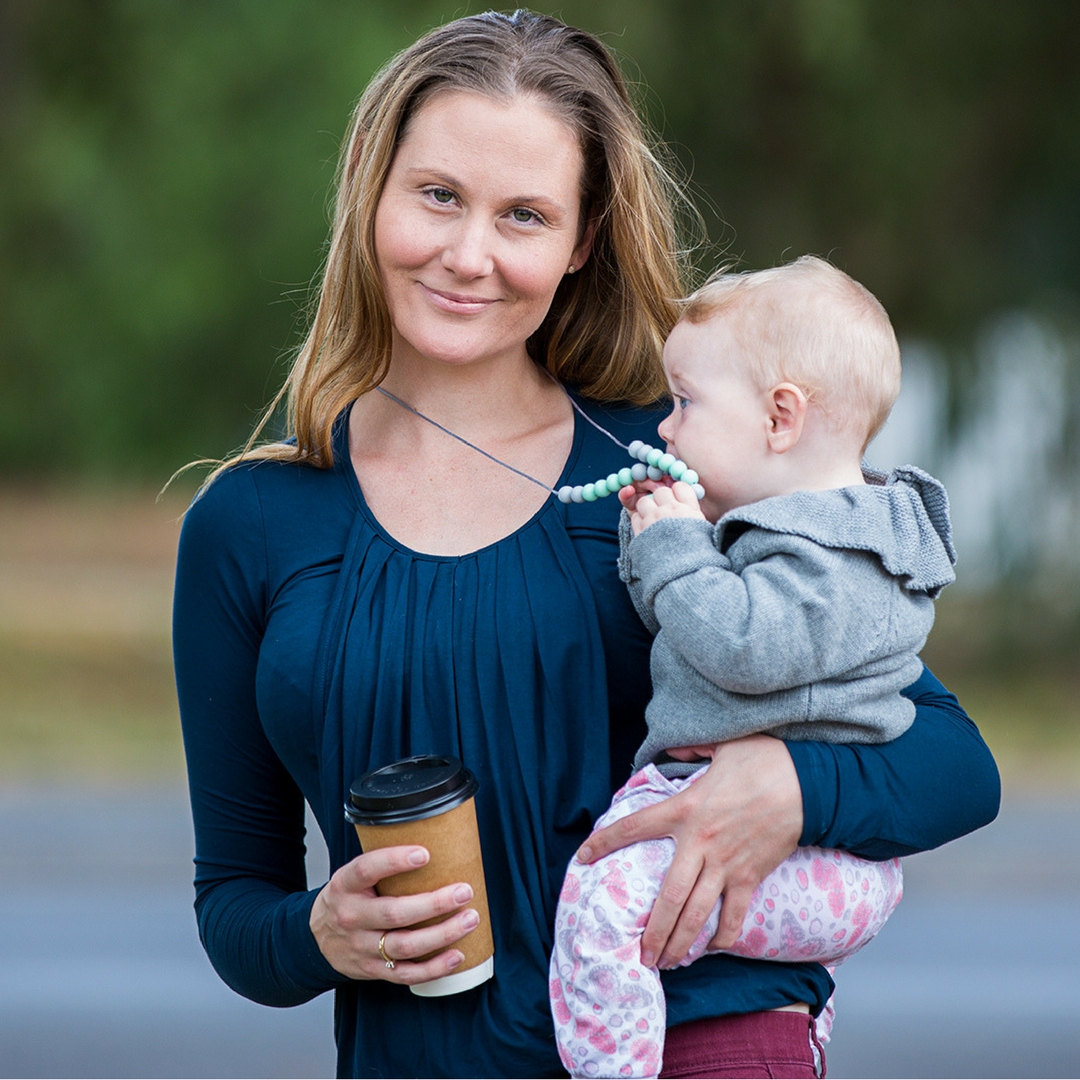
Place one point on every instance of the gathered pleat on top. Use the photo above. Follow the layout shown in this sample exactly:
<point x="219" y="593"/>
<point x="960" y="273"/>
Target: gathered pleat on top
<point x="494" y="657"/>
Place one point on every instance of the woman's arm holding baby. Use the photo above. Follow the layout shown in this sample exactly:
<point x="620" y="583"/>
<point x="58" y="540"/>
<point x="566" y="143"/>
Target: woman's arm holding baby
<point x="936" y="782"/>
<point x="761" y="798"/>
<point x="731" y="827"/>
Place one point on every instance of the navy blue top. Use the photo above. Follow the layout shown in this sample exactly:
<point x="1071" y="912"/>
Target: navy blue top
<point x="311" y="646"/>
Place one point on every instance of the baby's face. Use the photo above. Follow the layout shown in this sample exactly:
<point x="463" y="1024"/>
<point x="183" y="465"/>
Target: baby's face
<point x="719" y="425"/>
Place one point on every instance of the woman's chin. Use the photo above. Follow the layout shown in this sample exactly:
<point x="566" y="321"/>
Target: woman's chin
<point x="461" y="355"/>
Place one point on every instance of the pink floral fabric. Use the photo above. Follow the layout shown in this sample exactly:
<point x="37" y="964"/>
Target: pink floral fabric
<point x="609" y="1009"/>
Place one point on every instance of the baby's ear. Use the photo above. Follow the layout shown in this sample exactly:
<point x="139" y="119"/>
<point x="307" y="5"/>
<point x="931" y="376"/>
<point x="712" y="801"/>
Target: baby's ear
<point x="787" y="412"/>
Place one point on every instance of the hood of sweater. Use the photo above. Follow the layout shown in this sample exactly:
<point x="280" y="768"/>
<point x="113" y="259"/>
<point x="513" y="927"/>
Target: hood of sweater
<point x="902" y="517"/>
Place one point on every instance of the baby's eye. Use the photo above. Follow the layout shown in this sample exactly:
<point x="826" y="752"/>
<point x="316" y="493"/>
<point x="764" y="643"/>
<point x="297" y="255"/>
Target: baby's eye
<point x="681" y="402"/>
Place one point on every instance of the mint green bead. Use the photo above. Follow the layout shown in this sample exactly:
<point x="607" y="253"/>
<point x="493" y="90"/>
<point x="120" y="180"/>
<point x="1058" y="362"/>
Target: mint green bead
<point x="613" y="484"/>
<point x="665" y="462"/>
<point x="690" y="477"/>
<point x="588" y="493"/>
<point x="654" y="456"/>
<point x="625" y="477"/>
<point x="677" y="469"/>
<point x="601" y="489"/>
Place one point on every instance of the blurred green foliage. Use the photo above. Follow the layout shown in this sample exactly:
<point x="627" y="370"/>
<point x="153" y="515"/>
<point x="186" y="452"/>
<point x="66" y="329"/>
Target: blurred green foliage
<point x="165" y="166"/>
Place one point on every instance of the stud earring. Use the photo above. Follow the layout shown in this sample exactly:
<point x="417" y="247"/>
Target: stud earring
<point x="571" y="268"/>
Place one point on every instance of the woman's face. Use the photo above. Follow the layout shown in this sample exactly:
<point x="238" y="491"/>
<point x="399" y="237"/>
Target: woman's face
<point x="477" y="224"/>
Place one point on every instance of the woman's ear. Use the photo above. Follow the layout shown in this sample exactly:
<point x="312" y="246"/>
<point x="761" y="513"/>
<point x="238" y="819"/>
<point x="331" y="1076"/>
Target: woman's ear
<point x="581" y="252"/>
<point x="787" y="406"/>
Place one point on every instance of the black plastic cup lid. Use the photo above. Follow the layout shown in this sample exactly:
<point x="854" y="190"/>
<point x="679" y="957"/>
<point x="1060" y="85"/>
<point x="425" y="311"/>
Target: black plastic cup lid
<point x="408" y="790"/>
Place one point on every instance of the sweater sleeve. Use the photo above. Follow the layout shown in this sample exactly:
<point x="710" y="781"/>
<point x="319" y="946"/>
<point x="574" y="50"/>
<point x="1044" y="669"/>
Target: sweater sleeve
<point x="635" y="586"/>
<point x="251" y="897"/>
<point x="932" y="784"/>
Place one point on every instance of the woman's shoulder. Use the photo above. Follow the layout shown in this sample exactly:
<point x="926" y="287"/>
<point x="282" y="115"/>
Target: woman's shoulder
<point x="257" y="496"/>
<point x="272" y="477"/>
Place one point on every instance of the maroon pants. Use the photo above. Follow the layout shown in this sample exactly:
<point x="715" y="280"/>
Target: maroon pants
<point x="754" y="1045"/>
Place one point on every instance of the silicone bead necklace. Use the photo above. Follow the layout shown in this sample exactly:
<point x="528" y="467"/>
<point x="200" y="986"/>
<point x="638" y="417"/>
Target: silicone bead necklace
<point x="652" y="464"/>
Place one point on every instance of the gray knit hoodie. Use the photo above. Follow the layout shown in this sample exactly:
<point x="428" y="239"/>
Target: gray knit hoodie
<point x="800" y="615"/>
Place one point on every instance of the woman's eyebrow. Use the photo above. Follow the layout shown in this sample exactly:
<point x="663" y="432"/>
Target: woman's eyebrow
<point x="428" y="173"/>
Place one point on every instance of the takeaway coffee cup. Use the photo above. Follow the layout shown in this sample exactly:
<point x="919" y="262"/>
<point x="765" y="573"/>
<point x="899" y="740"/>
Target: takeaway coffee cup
<point x="429" y="800"/>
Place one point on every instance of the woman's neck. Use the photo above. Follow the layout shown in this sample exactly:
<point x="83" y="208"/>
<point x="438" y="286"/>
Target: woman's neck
<point x="499" y="398"/>
<point x="436" y="495"/>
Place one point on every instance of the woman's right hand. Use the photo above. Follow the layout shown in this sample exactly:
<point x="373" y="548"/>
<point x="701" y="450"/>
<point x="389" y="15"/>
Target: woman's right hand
<point x="349" y="919"/>
<point x="731" y="827"/>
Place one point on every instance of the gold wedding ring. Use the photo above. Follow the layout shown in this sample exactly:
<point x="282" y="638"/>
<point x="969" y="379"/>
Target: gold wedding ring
<point x="382" y="952"/>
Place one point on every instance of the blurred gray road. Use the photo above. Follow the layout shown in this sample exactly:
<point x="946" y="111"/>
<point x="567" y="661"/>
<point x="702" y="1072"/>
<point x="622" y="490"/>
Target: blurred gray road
<point x="101" y="973"/>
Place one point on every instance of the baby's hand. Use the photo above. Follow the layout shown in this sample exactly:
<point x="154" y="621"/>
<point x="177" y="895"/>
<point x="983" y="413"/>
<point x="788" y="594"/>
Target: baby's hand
<point x="649" y="506"/>
<point x="631" y="493"/>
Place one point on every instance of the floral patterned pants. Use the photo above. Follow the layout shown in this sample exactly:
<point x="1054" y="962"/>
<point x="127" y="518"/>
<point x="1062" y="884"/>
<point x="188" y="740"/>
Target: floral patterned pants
<point x="609" y="1009"/>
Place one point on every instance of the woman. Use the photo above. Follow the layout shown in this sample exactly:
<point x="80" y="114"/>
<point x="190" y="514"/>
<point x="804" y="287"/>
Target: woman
<point x="377" y="588"/>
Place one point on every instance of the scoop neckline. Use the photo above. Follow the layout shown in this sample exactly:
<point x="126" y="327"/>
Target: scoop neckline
<point x="343" y="463"/>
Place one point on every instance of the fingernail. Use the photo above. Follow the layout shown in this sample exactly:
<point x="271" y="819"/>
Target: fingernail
<point x="470" y="920"/>
<point x="418" y="857"/>
<point x="647" y="958"/>
<point x="463" y="894"/>
<point x="584" y="853"/>
<point x="455" y="959"/>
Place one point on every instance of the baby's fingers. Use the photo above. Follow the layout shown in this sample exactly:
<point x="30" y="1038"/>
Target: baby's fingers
<point x="630" y="494"/>
<point x="685" y="494"/>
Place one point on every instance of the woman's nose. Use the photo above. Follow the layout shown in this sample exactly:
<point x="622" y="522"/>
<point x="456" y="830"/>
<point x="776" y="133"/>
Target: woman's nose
<point x="468" y="252"/>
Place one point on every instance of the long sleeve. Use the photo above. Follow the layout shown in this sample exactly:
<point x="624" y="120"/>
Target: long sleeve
<point x="251" y="901"/>
<point x="934" y="783"/>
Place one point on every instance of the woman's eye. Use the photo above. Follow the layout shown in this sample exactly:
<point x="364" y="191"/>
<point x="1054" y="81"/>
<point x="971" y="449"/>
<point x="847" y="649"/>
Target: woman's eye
<point x="441" y="195"/>
<point x="523" y="216"/>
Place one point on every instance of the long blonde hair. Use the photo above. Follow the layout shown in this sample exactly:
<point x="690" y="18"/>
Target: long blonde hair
<point x="605" y="329"/>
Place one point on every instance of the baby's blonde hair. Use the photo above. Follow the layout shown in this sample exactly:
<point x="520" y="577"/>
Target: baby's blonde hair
<point x="810" y="324"/>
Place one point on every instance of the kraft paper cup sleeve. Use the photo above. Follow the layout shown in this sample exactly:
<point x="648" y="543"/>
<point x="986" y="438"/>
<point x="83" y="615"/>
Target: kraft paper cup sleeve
<point x="453" y="841"/>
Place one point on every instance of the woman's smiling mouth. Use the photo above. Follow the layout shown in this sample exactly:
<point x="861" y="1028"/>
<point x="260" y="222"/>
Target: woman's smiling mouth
<point x="456" y="303"/>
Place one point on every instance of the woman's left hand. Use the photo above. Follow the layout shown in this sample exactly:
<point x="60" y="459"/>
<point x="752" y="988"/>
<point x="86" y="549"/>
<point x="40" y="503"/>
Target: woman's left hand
<point x="731" y="827"/>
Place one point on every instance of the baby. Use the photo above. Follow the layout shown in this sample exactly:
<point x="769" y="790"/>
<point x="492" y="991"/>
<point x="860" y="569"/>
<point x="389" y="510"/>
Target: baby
<point x="792" y="599"/>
